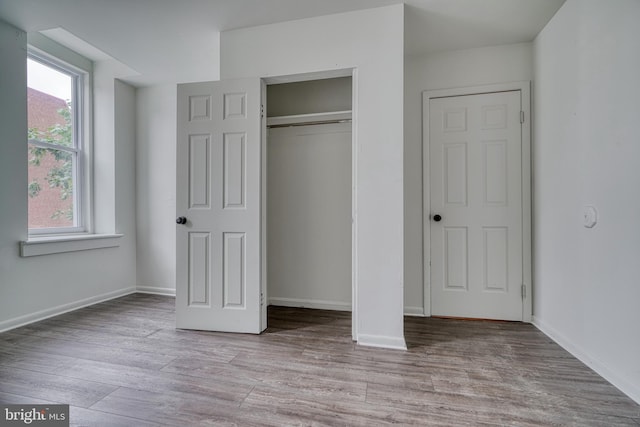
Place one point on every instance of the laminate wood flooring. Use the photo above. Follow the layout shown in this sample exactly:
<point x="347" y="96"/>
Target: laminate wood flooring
<point x="123" y="363"/>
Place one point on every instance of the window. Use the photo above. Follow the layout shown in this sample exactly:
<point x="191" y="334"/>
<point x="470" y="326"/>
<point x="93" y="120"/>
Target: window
<point x="56" y="158"/>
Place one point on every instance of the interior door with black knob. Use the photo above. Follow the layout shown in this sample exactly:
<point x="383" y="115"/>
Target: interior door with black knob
<point x="476" y="232"/>
<point x="218" y="249"/>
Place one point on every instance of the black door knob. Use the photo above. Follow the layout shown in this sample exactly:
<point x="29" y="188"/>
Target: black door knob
<point x="181" y="220"/>
<point x="437" y="218"/>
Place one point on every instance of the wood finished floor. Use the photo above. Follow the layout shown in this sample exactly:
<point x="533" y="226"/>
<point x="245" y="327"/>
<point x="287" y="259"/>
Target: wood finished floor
<point x="122" y="363"/>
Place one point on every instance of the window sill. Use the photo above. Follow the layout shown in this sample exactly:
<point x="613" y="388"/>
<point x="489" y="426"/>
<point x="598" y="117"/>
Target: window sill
<point x="46" y="245"/>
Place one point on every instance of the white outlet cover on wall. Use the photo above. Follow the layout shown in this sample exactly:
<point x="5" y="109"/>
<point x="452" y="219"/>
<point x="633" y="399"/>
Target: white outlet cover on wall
<point x="590" y="216"/>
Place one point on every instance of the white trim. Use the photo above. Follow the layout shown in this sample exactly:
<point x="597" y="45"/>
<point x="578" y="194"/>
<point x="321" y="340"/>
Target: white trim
<point x="426" y="207"/>
<point x="19" y="321"/>
<point x="354" y="203"/>
<point x="414" y="311"/>
<point x="477" y="90"/>
<point x="601" y="368"/>
<point x="525" y="104"/>
<point x="314" y="75"/>
<point x="264" y="278"/>
<point x="45" y="245"/>
<point x="527" y="241"/>
<point x="310" y="303"/>
<point x="380" y="341"/>
<point x="171" y="292"/>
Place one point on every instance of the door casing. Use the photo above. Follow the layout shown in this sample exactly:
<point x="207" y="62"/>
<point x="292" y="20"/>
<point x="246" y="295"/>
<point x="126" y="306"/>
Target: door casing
<point x="353" y="73"/>
<point x="525" y="91"/>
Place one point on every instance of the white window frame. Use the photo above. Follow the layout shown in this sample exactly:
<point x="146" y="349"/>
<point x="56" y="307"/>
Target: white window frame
<point x="81" y="166"/>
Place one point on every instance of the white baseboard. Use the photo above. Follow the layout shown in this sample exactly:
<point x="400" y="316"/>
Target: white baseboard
<point x="307" y="303"/>
<point x="413" y="311"/>
<point x="395" y="343"/>
<point x="631" y="390"/>
<point x="16" y="322"/>
<point x="156" y="290"/>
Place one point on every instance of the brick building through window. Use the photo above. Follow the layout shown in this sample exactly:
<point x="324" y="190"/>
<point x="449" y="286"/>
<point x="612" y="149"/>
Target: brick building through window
<point x="47" y="208"/>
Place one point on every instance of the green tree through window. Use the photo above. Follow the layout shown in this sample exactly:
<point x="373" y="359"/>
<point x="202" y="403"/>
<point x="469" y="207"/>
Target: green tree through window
<point x="59" y="176"/>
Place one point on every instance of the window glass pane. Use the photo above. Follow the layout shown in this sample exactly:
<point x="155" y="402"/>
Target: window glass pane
<point x="50" y="188"/>
<point x="51" y="171"/>
<point x="49" y="99"/>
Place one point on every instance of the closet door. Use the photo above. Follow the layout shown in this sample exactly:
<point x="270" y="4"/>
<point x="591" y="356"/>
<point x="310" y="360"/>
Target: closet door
<point x="218" y="207"/>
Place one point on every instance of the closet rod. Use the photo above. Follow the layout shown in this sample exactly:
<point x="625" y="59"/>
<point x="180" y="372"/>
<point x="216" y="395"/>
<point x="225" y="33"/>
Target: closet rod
<point x="309" y="119"/>
<point x="317" y="122"/>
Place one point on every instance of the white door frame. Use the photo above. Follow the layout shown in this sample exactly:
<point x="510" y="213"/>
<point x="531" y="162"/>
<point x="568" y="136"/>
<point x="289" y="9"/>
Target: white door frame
<point x="353" y="73"/>
<point x="525" y="92"/>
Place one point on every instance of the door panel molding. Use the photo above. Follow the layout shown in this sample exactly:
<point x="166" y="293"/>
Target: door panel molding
<point x="492" y="118"/>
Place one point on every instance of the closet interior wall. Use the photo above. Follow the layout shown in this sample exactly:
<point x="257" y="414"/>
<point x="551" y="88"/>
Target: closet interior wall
<point x="309" y="197"/>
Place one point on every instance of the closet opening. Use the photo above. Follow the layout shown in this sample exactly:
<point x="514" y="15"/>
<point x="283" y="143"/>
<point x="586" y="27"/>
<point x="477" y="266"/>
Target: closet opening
<point x="309" y="194"/>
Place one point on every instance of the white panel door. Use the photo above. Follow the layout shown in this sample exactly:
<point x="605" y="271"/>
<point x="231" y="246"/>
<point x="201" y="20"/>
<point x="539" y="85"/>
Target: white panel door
<point x="475" y="145"/>
<point x="218" y="239"/>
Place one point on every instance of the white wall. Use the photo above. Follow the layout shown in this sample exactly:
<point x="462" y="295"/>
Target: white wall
<point x="125" y="175"/>
<point x="371" y="41"/>
<point x="311" y="96"/>
<point x="309" y="216"/>
<point x="34" y="287"/>
<point x="587" y="152"/>
<point x="156" y="188"/>
<point x="452" y="69"/>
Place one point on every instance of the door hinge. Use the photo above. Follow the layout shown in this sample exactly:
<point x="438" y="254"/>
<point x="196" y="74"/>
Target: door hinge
<point x="524" y="292"/>
<point x="521" y="117"/>
<point x="261" y="299"/>
<point x="262" y="111"/>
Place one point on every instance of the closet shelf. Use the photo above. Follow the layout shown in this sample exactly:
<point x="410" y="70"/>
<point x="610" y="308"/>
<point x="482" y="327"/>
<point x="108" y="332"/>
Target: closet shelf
<point x="309" y="119"/>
